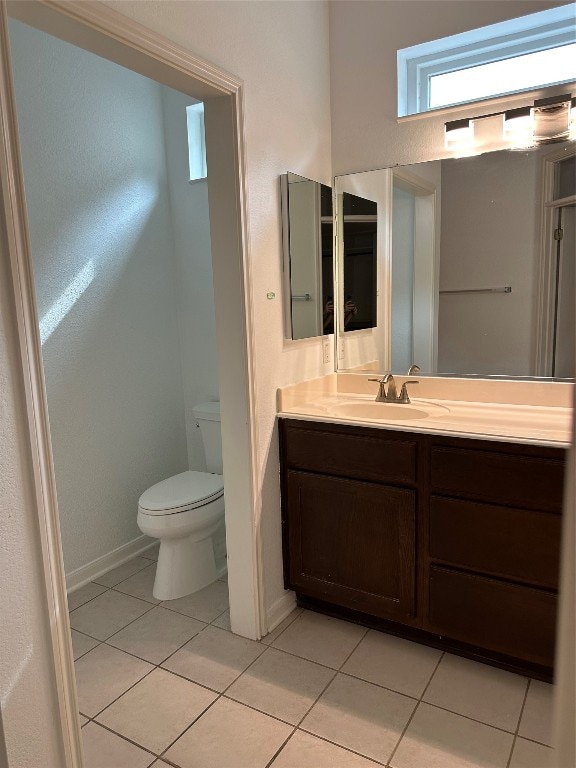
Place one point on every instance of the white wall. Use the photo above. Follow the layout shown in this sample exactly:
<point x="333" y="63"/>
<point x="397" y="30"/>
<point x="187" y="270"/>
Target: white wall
<point x="490" y="238"/>
<point x="364" y="38"/>
<point x="94" y="166"/>
<point x="280" y="50"/>
<point x="193" y="262"/>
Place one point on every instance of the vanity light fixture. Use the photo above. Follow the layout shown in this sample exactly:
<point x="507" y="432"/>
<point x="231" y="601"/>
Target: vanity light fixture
<point x="552" y="119"/>
<point x="519" y="127"/>
<point x="549" y="120"/>
<point x="459" y="134"/>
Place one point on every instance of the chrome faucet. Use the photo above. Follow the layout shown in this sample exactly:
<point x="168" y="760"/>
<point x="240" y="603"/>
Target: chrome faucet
<point x="414" y="369"/>
<point x="383" y="396"/>
<point x="390" y="396"/>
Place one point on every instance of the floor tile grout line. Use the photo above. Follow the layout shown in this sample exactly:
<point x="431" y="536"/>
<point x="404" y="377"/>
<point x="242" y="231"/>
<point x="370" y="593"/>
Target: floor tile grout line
<point x="111" y="586"/>
<point x="164" y="751"/>
<point x="93" y="717"/>
<point x="260" y="711"/>
<point x="280" y="748"/>
<point x="389" y="761"/>
<point x="534" y="741"/>
<point x="182" y="646"/>
<point x="442" y="655"/>
<point x="125" y="738"/>
<point x="346" y="749"/>
<point x="379" y="685"/>
<point x="342" y="672"/>
<point x="404" y="730"/>
<point x="159" y="663"/>
<point x="104" y="589"/>
<point x="98" y="643"/>
<point x="467" y="717"/>
<point x="354" y="649"/>
<point x="515" y="739"/>
<point x="262" y="652"/>
<point x="225" y="692"/>
<point x="320" y="664"/>
<point x="118" y="630"/>
<point x="163" y="604"/>
<point x="285" y="628"/>
<point x="322" y="692"/>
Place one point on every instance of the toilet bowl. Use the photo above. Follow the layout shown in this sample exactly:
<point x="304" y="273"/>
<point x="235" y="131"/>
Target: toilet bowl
<point x="185" y="512"/>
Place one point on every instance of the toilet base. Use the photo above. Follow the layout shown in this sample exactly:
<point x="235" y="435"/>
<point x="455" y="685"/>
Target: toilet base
<point x="184" y="567"/>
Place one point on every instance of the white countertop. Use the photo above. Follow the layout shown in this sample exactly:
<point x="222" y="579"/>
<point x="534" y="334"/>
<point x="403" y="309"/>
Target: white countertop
<point x="530" y="424"/>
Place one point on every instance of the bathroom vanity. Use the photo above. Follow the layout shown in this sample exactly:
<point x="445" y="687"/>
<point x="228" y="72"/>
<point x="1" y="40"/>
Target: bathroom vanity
<point x="449" y="540"/>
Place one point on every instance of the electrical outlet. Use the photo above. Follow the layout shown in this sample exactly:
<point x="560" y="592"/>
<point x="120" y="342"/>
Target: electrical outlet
<point x="326" y="357"/>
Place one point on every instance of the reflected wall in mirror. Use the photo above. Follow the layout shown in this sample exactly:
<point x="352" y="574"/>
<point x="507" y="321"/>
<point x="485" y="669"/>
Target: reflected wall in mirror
<point x="476" y="262"/>
<point x="358" y="260"/>
<point x="307" y="235"/>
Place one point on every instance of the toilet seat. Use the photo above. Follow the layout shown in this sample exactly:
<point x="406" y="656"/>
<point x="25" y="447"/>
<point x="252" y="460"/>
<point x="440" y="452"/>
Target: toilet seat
<point x="188" y="490"/>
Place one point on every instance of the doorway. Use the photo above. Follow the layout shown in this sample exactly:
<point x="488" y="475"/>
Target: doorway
<point x="99" y="31"/>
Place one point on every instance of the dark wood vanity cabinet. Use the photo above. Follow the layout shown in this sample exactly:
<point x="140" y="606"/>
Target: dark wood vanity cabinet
<point x="450" y="541"/>
<point x="349" y="513"/>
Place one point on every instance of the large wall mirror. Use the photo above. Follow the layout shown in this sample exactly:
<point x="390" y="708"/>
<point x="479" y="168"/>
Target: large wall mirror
<point x="307" y="234"/>
<point x="474" y="266"/>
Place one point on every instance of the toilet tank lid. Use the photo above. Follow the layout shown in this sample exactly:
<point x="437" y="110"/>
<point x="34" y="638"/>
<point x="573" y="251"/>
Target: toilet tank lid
<point x="209" y="411"/>
<point x="188" y="489"/>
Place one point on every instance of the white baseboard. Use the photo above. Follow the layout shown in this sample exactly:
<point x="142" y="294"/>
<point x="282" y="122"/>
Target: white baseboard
<point x="84" y="574"/>
<point x="279" y="610"/>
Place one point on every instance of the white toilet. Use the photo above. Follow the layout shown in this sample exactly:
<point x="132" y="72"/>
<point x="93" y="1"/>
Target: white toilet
<point x="186" y="512"/>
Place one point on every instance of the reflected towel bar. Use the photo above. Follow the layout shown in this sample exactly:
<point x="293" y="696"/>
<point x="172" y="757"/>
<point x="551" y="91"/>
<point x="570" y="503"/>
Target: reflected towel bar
<point x="505" y="289"/>
<point x="302" y="297"/>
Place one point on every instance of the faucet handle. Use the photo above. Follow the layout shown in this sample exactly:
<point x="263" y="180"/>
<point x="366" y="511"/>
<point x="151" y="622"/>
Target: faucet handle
<point x="413" y="369"/>
<point x="404" y="391"/>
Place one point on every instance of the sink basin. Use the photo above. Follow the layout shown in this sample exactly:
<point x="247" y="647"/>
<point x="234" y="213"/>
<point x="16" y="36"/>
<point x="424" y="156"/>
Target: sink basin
<point x="380" y="411"/>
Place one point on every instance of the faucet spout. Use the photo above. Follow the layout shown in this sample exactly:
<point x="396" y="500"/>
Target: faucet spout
<point x="391" y="394"/>
<point x="383" y="396"/>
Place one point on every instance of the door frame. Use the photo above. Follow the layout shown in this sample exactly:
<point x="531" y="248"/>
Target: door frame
<point x="546" y="277"/>
<point x="426" y="266"/>
<point x="109" y="34"/>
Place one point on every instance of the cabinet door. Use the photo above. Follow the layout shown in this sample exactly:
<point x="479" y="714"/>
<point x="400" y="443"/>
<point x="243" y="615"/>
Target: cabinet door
<point x="352" y="543"/>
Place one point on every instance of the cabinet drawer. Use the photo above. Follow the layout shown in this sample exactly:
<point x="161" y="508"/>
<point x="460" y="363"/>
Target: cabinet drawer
<point x="507" y="618"/>
<point x="503" y="478"/>
<point x="503" y="541"/>
<point x="375" y="458"/>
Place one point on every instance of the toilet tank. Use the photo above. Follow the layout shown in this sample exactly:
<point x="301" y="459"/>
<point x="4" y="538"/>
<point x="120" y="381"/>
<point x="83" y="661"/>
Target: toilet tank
<point x="208" y="417"/>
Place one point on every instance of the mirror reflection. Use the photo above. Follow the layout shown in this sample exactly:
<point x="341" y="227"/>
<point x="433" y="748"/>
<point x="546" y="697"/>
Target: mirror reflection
<point x="308" y="257"/>
<point x="475" y="270"/>
<point x="359" y="243"/>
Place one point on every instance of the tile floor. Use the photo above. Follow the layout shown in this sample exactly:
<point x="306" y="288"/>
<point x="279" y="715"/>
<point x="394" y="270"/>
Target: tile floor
<point x="168" y="684"/>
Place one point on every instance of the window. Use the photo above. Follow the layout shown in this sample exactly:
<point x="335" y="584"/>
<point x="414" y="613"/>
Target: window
<point x="517" y="55"/>
<point x="196" y="141"/>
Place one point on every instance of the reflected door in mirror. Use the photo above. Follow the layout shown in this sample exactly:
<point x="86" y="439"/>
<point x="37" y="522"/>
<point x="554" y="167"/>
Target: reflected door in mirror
<point x="359" y="262"/>
<point x="308" y="257"/>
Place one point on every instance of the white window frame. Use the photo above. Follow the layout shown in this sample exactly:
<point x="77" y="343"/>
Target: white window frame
<point x="527" y="34"/>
